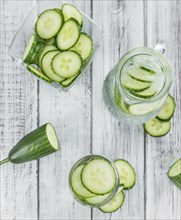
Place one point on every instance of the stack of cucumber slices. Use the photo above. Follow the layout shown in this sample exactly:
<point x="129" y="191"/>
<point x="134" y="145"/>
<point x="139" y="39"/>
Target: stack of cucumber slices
<point x="160" y="125"/>
<point x="58" y="50"/>
<point x="96" y="181"/>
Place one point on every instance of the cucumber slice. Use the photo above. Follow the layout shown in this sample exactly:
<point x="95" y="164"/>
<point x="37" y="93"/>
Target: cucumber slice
<point x="37" y="51"/>
<point x="38" y="73"/>
<point x="29" y="49"/>
<point x="77" y="185"/>
<point x="51" y="41"/>
<point x="83" y="46"/>
<point x="157" y="128"/>
<point x="69" y="81"/>
<point x="67" y="64"/>
<point x="174" y="173"/>
<point x="47" y="68"/>
<point x="147" y="93"/>
<point x="48" y="24"/>
<point x="68" y="35"/>
<point x="119" y="101"/>
<point x="98" y="176"/>
<point x="97" y="199"/>
<point x="114" y="204"/>
<point x="141" y="75"/>
<point x="44" y="51"/>
<point x="70" y="11"/>
<point x="167" y="110"/>
<point x="126" y="172"/>
<point x="134" y="85"/>
<point x="147" y="69"/>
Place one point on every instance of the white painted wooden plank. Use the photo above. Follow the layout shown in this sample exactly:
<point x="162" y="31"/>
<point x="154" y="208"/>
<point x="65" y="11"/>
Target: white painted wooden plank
<point x="70" y="113"/>
<point x="163" y="198"/>
<point x="18" y="107"/>
<point x="115" y="140"/>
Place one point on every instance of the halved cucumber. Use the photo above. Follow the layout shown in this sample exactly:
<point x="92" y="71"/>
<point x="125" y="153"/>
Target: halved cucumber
<point x="69" y="81"/>
<point x="48" y="24"/>
<point x="77" y="185"/>
<point x="47" y="68"/>
<point x="168" y="109"/>
<point x="70" y="11"/>
<point x="114" y="204"/>
<point x="157" y="128"/>
<point x="174" y="173"/>
<point x="147" y="93"/>
<point x="126" y="172"/>
<point x="134" y="85"/>
<point x="44" y="51"/>
<point x="98" y="176"/>
<point x="141" y="75"/>
<point x="67" y="64"/>
<point x="68" y="35"/>
<point x="83" y="46"/>
<point x="32" y="48"/>
<point x="38" y="73"/>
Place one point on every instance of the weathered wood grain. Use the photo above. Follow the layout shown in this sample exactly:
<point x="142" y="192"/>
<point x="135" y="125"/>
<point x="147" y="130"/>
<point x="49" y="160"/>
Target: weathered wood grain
<point x="163" y="198"/>
<point x="122" y="32"/>
<point x="70" y="112"/>
<point x="18" y="107"/>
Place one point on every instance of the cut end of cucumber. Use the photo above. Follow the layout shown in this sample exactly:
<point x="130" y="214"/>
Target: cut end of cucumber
<point x="175" y="170"/>
<point x="52" y="137"/>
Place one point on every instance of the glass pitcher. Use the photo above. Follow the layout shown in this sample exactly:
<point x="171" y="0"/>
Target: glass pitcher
<point x="136" y="89"/>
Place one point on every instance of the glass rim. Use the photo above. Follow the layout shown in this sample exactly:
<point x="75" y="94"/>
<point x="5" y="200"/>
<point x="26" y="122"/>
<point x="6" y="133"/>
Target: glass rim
<point x="112" y="193"/>
<point x="161" y="58"/>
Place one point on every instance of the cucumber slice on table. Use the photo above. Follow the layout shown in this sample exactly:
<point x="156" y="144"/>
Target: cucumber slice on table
<point x="141" y="75"/>
<point x="98" y="176"/>
<point x="174" y="173"/>
<point x="44" y="51"/>
<point x="77" y="185"/>
<point x="38" y="73"/>
<point x="126" y="172"/>
<point x="134" y="85"/>
<point x="47" y="68"/>
<point x="167" y="110"/>
<point x="67" y="64"/>
<point x="68" y="34"/>
<point x="114" y="204"/>
<point x="70" y="11"/>
<point x="48" y="24"/>
<point x="157" y="128"/>
<point x="32" y="48"/>
<point x="83" y="46"/>
<point x="147" y="93"/>
<point x="36" y="144"/>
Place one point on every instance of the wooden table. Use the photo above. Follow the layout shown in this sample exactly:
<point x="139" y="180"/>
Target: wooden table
<point x="39" y="190"/>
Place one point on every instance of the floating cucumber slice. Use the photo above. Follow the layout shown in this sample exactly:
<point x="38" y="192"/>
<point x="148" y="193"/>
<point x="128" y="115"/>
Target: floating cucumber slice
<point x="147" y="69"/>
<point x="167" y="110"/>
<point x="114" y="204"/>
<point x="157" y="128"/>
<point x="147" y="93"/>
<point x="141" y="75"/>
<point x="134" y="85"/>
<point x="174" y="173"/>
<point x="77" y="185"/>
<point x="98" y="176"/>
<point x="126" y="173"/>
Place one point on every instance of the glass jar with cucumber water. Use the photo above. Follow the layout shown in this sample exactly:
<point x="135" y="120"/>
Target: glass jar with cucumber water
<point x="136" y="89"/>
<point x="94" y="181"/>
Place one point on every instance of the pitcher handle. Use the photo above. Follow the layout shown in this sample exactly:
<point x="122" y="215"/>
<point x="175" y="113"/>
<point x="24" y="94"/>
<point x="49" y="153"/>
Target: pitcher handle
<point x="161" y="45"/>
